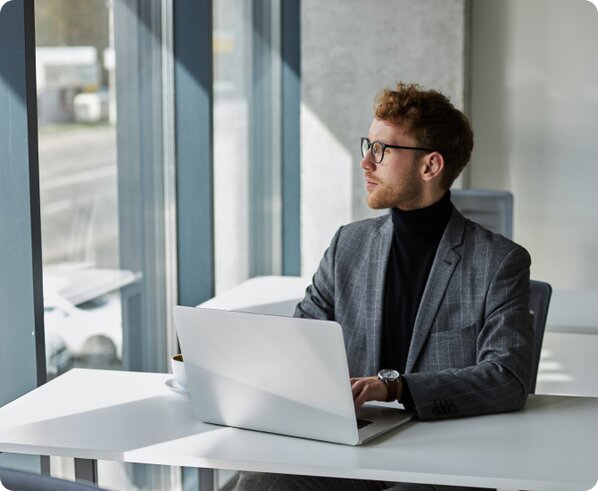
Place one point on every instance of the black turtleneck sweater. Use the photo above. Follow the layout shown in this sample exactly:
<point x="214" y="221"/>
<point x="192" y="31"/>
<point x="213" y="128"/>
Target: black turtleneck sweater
<point x="416" y="236"/>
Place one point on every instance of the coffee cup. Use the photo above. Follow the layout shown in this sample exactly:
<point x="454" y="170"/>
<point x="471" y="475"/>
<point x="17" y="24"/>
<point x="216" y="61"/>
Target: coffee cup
<point x="178" y="370"/>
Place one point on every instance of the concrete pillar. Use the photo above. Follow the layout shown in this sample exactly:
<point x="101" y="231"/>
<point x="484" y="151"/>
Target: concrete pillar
<point x="350" y="50"/>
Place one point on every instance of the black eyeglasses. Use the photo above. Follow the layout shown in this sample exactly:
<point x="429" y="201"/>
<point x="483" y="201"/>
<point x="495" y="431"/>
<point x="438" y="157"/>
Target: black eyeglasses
<point x="377" y="148"/>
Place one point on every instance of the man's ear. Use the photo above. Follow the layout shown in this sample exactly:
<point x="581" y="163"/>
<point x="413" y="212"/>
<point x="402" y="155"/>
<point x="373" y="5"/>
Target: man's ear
<point x="433" y="166"/>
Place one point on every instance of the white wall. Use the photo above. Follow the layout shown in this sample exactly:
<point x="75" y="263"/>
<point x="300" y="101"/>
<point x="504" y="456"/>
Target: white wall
<point x="350" y="50"/>
<point x="534" y="108"/>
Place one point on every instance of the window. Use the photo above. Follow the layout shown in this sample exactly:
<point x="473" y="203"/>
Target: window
<point x="113" y="210"/>
<point x="106" y="193"/>
<point x="256" y="163"/>
<point x="78" y="185"/>
<point x="232" y="59"/>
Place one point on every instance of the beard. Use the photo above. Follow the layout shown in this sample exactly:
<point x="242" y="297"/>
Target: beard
<point x="405" y="194"/>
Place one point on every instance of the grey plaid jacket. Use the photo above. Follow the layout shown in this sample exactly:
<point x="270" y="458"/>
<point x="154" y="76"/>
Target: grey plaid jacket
<point x="472" y="344"/>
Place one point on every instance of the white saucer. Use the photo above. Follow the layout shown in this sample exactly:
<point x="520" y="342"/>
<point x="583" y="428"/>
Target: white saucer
<point x="173" y="385"/>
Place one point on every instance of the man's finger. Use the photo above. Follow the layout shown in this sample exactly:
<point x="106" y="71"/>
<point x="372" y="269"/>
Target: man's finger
<point x="360" y="398"/>
<point x="356" y="385"/>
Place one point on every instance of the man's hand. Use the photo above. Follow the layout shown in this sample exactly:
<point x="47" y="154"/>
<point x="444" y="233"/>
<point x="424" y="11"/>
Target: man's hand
<point x="370" y="389"/>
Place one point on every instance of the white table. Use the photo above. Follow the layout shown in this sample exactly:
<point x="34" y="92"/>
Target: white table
<point x="277" y="295"/>
<point x="568" y="364"/>
<point x="573" y="311"/>
<point x="135" y="417"/>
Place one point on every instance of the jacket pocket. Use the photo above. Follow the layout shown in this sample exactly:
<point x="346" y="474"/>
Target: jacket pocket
<point x="452" y="348"/>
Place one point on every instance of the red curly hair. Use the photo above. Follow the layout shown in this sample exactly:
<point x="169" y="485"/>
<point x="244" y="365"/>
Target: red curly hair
<point x="432" y="120"/>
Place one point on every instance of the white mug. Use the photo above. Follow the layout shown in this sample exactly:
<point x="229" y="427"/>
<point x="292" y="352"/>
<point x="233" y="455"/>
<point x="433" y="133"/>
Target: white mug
<point x="178" y="370"/>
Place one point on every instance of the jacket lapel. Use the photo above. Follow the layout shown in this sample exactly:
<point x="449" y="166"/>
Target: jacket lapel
<point x="444" y="265"/>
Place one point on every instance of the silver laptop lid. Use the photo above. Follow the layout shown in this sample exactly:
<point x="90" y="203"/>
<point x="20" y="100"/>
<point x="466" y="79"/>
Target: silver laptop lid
<point x="277" y="374"/>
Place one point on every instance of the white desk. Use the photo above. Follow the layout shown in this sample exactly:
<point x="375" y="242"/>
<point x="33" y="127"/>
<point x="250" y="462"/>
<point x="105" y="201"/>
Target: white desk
<point x="277" y="295"/>
<point x="568" y="364"/>
<point x="134" y="417"/>
<point x="573" y="311"/>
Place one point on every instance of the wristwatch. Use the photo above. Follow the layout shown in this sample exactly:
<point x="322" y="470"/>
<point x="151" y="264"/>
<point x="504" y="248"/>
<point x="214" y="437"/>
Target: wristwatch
<point x="391" y="378"/>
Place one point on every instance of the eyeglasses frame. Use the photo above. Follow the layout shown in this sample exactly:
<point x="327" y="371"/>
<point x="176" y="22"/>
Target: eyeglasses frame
<point x="385" y="146"/>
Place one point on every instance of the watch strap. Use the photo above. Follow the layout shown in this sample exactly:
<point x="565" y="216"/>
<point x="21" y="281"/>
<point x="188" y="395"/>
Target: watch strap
<point x="392" y="386"/>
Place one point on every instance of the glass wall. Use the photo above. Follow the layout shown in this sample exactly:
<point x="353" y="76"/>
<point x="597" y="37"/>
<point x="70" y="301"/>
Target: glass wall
<point x="104" y="179"/>
<point x="232" y="35"/>
<point x="90" y="171"/>
<point x="247" y="140"/>
<point x="106" y="195"/>
<point x="78" y="185"/>
<point x="106" y="108"/>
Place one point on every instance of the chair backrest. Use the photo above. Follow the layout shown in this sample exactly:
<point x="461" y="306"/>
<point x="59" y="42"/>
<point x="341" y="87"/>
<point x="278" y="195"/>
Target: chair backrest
<point x="491" y="209"/>
<point x="538" y="304"/>
<point x="17" y="480"/>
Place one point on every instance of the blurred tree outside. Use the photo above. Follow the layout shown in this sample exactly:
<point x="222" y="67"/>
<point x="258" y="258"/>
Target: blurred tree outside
<point x="74" y="23"/>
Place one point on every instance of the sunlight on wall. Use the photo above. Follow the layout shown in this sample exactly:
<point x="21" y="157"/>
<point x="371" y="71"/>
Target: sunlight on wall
<point x="325" y="189"/>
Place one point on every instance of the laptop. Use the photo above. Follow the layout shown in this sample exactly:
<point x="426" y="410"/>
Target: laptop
<point x="276" y="374"/>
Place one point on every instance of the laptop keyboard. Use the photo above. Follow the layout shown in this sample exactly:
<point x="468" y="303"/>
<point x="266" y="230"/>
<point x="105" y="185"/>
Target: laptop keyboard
<point x="362" y="423"/>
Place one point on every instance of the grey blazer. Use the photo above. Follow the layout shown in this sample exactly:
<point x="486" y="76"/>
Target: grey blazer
<point x="472" y="344"/>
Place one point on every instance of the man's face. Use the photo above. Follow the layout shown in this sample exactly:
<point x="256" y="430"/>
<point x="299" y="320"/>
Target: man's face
<point x="396" y="182"/>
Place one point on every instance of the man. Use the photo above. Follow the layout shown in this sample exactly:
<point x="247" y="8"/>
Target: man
<point x="421" y="292"/>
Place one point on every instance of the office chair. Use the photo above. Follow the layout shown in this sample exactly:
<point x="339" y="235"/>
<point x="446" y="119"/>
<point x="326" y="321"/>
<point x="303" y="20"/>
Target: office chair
<point x="491" y="209"/>
<point x="494" y="210"/>
<point x="538" y="303"/>
<point x="17" y="480"/>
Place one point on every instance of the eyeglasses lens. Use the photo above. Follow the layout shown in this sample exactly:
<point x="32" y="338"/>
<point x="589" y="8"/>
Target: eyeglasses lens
<point x="376" y="148"/>
<point x="377" y="152"/>
<point x="365" y="146"/>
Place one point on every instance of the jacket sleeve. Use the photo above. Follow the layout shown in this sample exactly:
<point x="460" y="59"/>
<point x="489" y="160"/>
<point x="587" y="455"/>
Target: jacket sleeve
<point x="318" y="302"/>
<point x="500" y="380"/>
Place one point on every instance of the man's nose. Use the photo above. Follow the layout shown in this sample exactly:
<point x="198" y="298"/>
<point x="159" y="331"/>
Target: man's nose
<point x="367" y="163"/>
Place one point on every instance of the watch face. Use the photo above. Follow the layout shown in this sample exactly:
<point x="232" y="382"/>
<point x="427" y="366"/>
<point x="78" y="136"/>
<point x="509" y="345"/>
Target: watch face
<point x="388" y="374"/>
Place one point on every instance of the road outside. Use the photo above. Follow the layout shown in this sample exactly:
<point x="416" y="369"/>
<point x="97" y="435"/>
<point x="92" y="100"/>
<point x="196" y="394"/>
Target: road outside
<point x="79" y="219"/>
<point x="78" y="189"/>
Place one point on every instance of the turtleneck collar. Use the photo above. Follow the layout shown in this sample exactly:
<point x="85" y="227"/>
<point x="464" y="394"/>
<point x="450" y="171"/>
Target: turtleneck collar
<point x="424" y="223"/>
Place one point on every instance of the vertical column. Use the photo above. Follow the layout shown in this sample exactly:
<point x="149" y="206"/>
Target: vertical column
<point x="291" y="158"/>
<point x="265" y="204"/>
<point x="22" y="340"/>
<point x="142" y="235"/>
<point x="22" y="343"/>
<point x="194" y="150"/>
